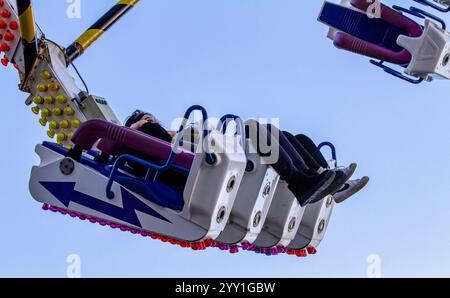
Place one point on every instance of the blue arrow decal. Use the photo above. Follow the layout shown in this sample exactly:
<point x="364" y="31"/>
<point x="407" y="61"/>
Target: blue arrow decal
<point x="65" y="192"/>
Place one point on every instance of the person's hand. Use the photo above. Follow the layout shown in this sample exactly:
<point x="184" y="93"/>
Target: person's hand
<point x="139" y="124"/>
<point x="172" y="133"/>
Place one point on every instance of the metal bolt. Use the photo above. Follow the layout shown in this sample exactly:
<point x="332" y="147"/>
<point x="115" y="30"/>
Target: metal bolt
<point x="67" y="166"/>
<point x="257" y="219"/>
<point x="231" y="184"/>
<point x="321" y="226"/>
<point x="266" y="190"/>
<point x="221" y="214"/>
<point x="291" y="225"/>
<point x="329" y="201"/>
<point x="446" y="60"/>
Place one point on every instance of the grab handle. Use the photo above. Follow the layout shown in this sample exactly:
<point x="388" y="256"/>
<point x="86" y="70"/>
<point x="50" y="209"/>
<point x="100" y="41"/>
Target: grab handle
<point x="331" y="146"/>
<point x="240" y="127"/>
<point x="210" y="158"/>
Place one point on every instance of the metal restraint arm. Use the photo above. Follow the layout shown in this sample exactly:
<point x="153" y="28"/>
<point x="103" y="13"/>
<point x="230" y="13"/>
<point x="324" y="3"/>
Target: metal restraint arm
<point x="442" y="6"/>
<point x="86" y="39"/>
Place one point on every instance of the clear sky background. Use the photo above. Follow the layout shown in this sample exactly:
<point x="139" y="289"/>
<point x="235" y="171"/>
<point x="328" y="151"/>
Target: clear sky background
<point x="254" y="58"/>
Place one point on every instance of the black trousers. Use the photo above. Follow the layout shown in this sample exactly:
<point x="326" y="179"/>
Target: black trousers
<point x="297" y="154"/>
<point x="307" y="150"/>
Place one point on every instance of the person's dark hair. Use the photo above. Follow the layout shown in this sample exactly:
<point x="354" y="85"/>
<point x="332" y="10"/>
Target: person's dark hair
<point x="135" y="117"/>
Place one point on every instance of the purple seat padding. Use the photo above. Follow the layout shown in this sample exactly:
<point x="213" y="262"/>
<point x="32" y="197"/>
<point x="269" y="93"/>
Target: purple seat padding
<point x="109" y="147"/>
<point x="356" y="45"/>
<point x="113" y="137"/>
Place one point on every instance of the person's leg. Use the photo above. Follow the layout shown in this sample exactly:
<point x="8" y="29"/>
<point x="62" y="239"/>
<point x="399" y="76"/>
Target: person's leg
<point x="342" y="174"/>
<point x="286" y="145"/>
<point x="309" y="145"/>
<point x="305" y="187"/>
<point x="306" y="156"/>
<point x="258" y="136"/>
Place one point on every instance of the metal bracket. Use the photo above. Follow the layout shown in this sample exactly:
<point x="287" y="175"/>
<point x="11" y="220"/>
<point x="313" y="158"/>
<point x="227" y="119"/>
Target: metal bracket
<point x="430" y="53"/>
<point x="426" y="50"/>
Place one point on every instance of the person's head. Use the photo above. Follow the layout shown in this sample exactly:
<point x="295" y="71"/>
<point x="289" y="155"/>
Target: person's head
<point x="139" y="115"/>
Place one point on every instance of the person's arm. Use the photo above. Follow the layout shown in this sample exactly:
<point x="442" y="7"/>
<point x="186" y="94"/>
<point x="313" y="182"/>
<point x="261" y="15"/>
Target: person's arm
<point x="156" y="131"/>
<point x="138" y="125"/>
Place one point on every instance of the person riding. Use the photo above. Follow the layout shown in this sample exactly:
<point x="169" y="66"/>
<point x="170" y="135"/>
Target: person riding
<point x="300" y="163"/>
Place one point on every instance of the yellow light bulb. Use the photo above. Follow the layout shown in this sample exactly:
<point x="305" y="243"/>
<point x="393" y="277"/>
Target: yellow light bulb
<point x="35" y="110"/>
<point x="53" y="87"/>
<point x="65" y="124"/>
<point x="53" y="124"/>
<point x="76" y="123"/>
<point x="46" y="75"/>
<point x="57" y="112"/>
<point x="42" y="87"/>
<point x="43" y="122"/>
<point x="49" y="100"/>
<point x="69" y="111"/>
<point x="61" y="99"/>
<point x="38" y="100"/>
<point x="51" y="133"/>
<point x="45" y="113"/>
<point x="60" y="137"/>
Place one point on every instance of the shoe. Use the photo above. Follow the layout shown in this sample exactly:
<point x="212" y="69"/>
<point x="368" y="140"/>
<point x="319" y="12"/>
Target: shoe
<point x="307" y="189"/>
<point x="348" y="171"/>
<point x="350" y="188"/>
<point x="342" y="176"/>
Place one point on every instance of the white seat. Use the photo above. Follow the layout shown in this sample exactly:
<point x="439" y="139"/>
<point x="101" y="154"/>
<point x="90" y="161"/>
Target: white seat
<point x="314" y="222"/>
<point x="211" y="190"/>
<point x="283" y="219"/>
<point x="252" y="202"/>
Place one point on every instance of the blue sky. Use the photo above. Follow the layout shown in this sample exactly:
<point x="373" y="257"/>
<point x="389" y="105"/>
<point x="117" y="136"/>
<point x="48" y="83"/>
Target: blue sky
<point x="254" y="58"/>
